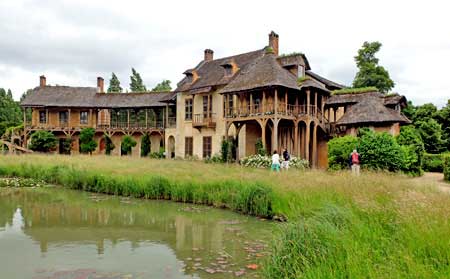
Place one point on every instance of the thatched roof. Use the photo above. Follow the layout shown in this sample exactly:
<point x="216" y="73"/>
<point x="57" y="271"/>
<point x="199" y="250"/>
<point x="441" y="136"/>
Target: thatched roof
<point x="309" y="82"/>
<point x="371" y="110"/>
<point x="395" y="99"/>
<point x="331" y="85"/>
<point x="348" y="99"/>
<point x="87" y="97"/>
<point x="212" y="74"/>
<point x="263" y="72"/>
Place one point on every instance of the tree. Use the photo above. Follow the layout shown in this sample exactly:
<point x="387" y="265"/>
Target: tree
<point x="162" y="86"/>
<point x="43" y="141"/>
<point x="136" y="84"/>
<point x="425" y="112"/>
<point x="413" y="148"/>
<point x="127" y="144"/>
<point x="10" y="112"/>
<point x="444" y="120"/>
<point x="87" y="142"/>
<point x="145" y="145"/>
<point x="114" y="85"/>
<point x="109" y="145"/>
<point x="339" y="150"/>
<point x="431" y="132"/>
<point x="370" y="73"/>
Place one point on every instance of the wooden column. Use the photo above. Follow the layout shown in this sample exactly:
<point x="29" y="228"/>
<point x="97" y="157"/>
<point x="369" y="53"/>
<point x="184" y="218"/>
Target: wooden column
<point x="275" y="134"/>
<point x="322" y="107"/>
<point x="286" y="101"/>
<point x="24" y="143"/>
<point x="307" y="136"/>
<point x="334" y="116"/>
<point x="314" y="147"/>
<point x="167" y="116"/>
<point x="146" y="118"/>
<point x="295" y="151"/>
<point x="296" y="106"/>
<point x="329" y="119"/>
<point x="251" y="102"/>
<point x="264" y="102"/>
<point x="315" y="104"/>
<point x="90" y="118"/>
<point x="308" y="99"/>
<point x="46" y="117"/>
<point x="128" y="118"/>
<point x="276" y="101"/>
<point x="68" y="124"/>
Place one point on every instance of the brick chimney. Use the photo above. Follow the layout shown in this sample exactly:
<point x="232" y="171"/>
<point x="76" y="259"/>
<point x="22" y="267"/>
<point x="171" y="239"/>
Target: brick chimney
<point x="273" y="42"/>
<point x="42" y="81"/>
<point x="209" y="54"/>
<point x="100" y="85"/>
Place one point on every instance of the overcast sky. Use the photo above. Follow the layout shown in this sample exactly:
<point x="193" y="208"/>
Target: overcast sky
<point x="73" y="42"/>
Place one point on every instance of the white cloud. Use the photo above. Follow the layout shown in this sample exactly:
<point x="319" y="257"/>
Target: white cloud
<point x="73" y="42"/>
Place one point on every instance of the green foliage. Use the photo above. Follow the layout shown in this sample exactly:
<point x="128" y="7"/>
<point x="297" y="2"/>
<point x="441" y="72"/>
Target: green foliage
<point x="145" y="145"/>
<point x="291" y="54"/>
<point x="67" y="145"/>
<point x="358" y="90"/>
<point x="127" y="144"/>
<point x="262" y="161"/>
<point x="339" y="150"/>
<point x="370" y="73"/>
<point x="226" y="151"/>
<point x="269" y="49"/>
<point x="443" y="117"/>
<point x="409" y="111"/>
<point x="136" y="84"/>
<point x="250" y="198"/>
<point x="380" y="151"/>
<point x="433" y="162"/>
<point x="302" y="79"/>
<point x="431" y="132"/>
<point x="87" y="142"/>
<point x="162" y="86"/>
<point x="109" y="145"/>
<point x="216" y="158"/>
<point x="260" y="150"/>
<point x="10" y="112"/>
<point x="413" y="149"/>
<point x="447" y="167"/>
<point x="158" y="155"/>
<point x="114" y="85"/>
<point x="43" y="141"/>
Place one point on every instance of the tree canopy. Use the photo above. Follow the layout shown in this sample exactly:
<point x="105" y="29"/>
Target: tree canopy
<point x="10" y="112"/>
<point x="370" y="73"/>
<point x="162" y="86"/>
<point x="114" y="84"/>
<point x="136" y="84"/>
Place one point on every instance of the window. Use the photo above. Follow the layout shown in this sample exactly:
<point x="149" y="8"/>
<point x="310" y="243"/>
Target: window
<point x="63" y="117"/>
<point x="300" y="71"/>
<point x="42" y="117"/>
<point x="207" y="112"/>
<point x="228" y="70"/>
<point x="83" y="117"/>
<point x="189" y="78"/>
<point x="229" y="99"/>
<point x="207" y="142"/>
<point x="188" y="146"/>
<point x="188" y="110"/>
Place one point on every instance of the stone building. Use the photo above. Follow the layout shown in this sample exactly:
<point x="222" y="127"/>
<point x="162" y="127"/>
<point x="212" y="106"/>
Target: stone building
<point x="258" y="96"/>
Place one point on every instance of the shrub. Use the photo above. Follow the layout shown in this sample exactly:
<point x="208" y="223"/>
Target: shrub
<point x="216" y="158"/>
<point x="433" y="162"/>
<point x="158" y="155"/>
<point x="43" y="141"/>
<point x="145" y="145"/>
<point x="109" y="145"/>
<point x="127" y="144"/>
<point x="226" y="151"/>
<point x="87" y="142"/>
<point x="447" y="167"/>
<point x="380" y="151"/>
<point x="413" y="149"/>
<point x="260" y="150"/>
<point x="339" y="150"/>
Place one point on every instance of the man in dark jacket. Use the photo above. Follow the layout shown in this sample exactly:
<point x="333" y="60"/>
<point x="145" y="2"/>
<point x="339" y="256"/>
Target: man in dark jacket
<point x="286" y="158"/>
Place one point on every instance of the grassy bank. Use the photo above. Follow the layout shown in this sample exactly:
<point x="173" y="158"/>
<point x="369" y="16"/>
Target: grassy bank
<point x="375" y="226"/>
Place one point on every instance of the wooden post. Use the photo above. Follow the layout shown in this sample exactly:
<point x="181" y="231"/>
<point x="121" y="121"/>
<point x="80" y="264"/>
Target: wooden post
<point x="296" y="106"/>
<point x="251" y="102"/>
<point x="286" y="102"/>
<point x="334" y="111"/>
<point x="276" y="101"/>
<point x="24" y="143"/>
<point x="314" y="147"/>
<point x="69" y="118"/>
<point x="307" y="136"/>
<point x="296" y="139"/>
<point x="308" y="99"/>
<point x="264" y="102"/>
<point x="46" y="117"/>
<point x="128" y="118"/>
<point x="263" y="134"/>
<point x="146" y="118"/>
<point x="315" y="104"/>
<point x="90" y="118"/>
<point x="275" y="134"/>
<point x="167" y="116"/>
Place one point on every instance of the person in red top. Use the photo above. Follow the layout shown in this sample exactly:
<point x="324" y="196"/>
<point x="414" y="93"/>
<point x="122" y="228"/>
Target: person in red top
<point x="355" y="161"/>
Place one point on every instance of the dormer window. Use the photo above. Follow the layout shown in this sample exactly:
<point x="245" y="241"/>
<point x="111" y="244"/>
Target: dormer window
<point x="300" y="71"/>
<point x="191" y="75"/>
<point x="228" y="70"/>
<point x="189" y="78"/>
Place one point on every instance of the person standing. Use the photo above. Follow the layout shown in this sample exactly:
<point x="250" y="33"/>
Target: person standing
<point x="275" y="161"/>
<point x="286" y="158"/>
<point x="355" y="161"/>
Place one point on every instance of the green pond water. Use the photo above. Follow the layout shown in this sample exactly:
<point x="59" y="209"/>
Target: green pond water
<point x="63" y="234"/>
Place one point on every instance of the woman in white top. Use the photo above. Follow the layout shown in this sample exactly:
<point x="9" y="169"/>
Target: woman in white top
<point x="275" y="161"/>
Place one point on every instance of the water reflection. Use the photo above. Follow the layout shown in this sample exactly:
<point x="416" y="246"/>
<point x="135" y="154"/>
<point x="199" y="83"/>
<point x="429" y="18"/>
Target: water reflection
<point x="54" y="231"/>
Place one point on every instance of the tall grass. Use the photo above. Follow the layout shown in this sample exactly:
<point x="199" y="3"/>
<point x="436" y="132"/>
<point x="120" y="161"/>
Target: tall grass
<point x="378" y="225"/>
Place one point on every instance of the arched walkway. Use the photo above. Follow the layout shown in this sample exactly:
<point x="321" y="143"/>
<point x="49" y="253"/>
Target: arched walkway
<point x="171" y="147"/>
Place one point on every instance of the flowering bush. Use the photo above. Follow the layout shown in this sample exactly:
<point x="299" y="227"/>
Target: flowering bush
<point x="259" y="161"/>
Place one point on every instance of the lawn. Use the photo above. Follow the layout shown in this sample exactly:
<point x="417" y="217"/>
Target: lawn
<point x="378" y="225"/>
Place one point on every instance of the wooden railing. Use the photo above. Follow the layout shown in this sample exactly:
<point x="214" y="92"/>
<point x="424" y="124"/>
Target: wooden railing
<point x="268" y="109"/>
<point x="204" y="120"/>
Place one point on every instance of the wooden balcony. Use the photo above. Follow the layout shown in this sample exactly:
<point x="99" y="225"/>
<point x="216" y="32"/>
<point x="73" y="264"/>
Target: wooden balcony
<point x="204" y="120"/>
<point x="258" y="110"/>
